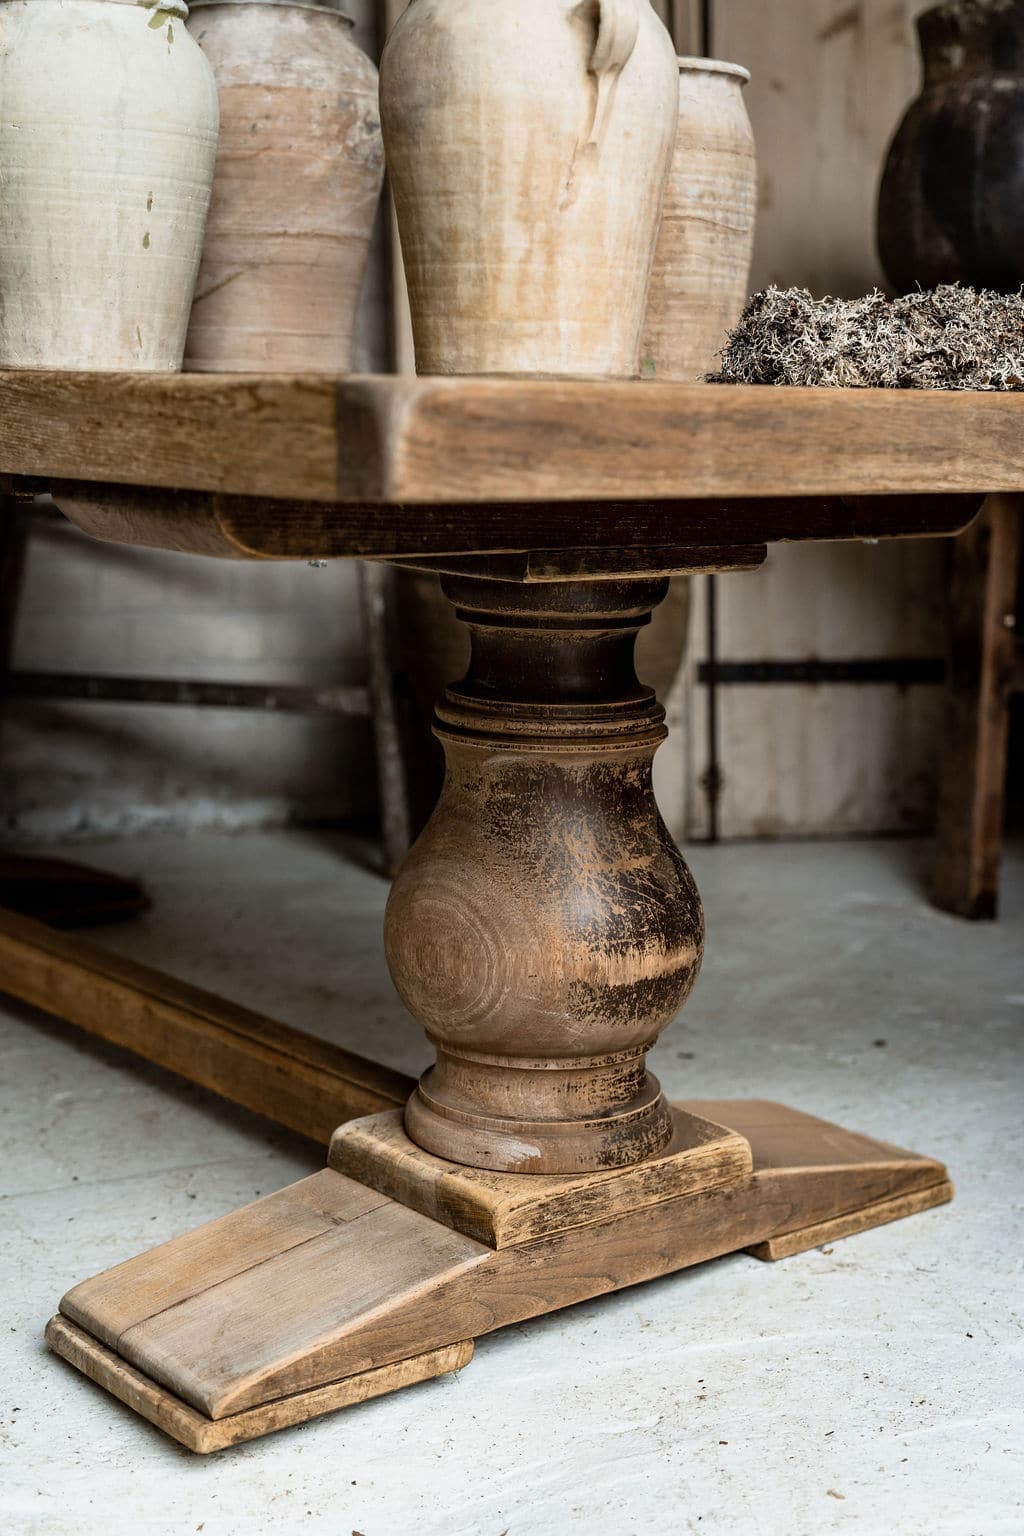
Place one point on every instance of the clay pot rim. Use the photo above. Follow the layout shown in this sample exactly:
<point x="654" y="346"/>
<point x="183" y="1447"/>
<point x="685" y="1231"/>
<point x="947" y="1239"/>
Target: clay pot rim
<point x="176" y="8"/>
<point x="329" y="7"/>
<point x="697" y="66"/>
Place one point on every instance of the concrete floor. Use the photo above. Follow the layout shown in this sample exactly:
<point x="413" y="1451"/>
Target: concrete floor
<point x="871" y="1386"/>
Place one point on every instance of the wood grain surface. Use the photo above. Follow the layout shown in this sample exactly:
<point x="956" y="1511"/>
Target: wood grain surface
<point x="983" y="655"/>
<point x="547" y="565"/>
<point x="198" y="1433"/>
<point x="326" y="1279"/>
<point x="501" y="1209"/>
<point x="294" y="1078"/>
<point x="544" y="928"/>
<point x="787" y="1244"/>
<point x="258" y="528"/>
<point x="392" y="440"/>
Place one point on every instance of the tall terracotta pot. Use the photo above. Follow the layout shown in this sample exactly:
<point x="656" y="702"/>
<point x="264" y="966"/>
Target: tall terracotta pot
<point x="951" y="202"/>
<point x="108" y="132"/>
<point x="701" y="274"/>
<point x="297" y="184"/>
<point x="528" y="148"/>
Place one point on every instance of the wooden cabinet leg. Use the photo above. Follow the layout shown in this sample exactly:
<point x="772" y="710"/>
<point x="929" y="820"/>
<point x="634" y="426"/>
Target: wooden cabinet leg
<point x="972" y="777"/>
<point x="13" y="538"/>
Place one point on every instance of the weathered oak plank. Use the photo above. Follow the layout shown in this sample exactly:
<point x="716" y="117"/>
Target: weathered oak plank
<point x="198" y="1433"/>
<point x="393" y="440"/>
<point x="878" y="1215"/>
<point x="982" y="666"/>
<point x="235" y="1316"/>
<point x="294" y="1078"/>
<point x="502" y="1209"/>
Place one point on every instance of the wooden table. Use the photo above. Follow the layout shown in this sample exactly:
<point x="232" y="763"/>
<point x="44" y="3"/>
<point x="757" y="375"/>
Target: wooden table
<point x="544" y="929"/>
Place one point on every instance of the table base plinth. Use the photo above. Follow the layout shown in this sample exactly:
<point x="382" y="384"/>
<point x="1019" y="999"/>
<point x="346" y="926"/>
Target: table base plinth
<point x="332" y="1291"/>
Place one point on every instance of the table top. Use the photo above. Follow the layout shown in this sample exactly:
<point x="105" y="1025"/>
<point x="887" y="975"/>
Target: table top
<point x="390" y="439"/>
<point x="620" y="461"/>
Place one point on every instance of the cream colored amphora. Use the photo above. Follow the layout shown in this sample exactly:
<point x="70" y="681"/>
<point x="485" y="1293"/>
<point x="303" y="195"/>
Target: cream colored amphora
<point x="528" y="146"/>
<point x="108" y="133"/>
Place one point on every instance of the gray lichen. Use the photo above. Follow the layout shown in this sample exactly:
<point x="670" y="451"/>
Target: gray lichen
<point x="944" y="338"/>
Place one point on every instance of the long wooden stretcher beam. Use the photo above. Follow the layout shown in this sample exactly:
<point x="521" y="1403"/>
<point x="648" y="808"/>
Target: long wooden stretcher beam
<point x="291" y="1077"/>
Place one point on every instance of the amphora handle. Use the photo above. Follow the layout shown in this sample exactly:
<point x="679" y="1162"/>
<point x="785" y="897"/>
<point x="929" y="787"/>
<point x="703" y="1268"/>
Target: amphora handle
<point x="617" y="23"/>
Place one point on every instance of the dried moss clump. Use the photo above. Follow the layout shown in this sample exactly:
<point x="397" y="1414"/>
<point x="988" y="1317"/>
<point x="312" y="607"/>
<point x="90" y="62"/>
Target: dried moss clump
<point x="945" y="338"/>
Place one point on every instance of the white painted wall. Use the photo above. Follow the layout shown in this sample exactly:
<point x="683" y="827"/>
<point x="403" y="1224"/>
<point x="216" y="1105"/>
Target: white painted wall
<point x="830" y="80"/>
<point x="86" y="769"/>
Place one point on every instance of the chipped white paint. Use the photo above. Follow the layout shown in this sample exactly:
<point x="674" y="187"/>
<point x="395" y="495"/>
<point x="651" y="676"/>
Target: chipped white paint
<point x="108" y="131"/>
<point x="528" y="149"/>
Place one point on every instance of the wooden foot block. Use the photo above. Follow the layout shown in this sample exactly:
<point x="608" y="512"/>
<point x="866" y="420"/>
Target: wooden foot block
<point x="199" y="1433"/>
<point x="502" y="1209"/>
<point x="293" y="1292"/>
<point x="877" y="1215"/>
<point x="287" y="1305"/>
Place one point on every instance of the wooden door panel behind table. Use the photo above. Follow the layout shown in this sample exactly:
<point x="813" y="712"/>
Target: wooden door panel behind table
<point x="830" y="79"/>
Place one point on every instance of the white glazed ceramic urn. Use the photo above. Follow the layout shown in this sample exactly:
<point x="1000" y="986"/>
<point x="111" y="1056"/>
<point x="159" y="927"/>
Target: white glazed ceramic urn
<point x="108" y="134"/>
<point x="528" y="145"/>
<point x="296" y="189"/>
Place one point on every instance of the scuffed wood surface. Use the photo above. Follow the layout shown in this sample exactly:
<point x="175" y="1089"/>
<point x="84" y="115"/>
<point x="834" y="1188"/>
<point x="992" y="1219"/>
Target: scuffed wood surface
<point x="171" y="1274"/>
<point x="198" y="1433"/>
<point x="246" y="1316"/>
<point x="256" y="528"/>
<point x="291" y="1077"/>
<point x="501" y="1209"/>
<point x="877" y="1215"/>
<point x="468" y="441"/>
<point x="547" y="565"/>
<point x="544" y="929"/>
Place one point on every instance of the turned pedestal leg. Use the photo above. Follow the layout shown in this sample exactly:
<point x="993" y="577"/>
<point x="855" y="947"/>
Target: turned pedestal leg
<point x="543" y="930"/>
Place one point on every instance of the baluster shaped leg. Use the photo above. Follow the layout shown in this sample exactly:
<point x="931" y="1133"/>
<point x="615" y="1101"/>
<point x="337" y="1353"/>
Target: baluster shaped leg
<point x="545" y="928"/>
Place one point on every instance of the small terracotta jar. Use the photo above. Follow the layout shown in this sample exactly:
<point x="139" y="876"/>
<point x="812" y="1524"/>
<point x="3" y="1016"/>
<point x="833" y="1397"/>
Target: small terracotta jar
<point x="951" y="203"/>
<point x="296" y="189"/>
<point x="108" y="132"/>
<point x="528" y="149"/>
<point x="701" y="275"/>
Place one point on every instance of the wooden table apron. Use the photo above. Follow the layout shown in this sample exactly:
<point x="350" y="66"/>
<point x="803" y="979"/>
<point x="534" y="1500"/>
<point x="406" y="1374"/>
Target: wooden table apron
<point x="545" y="928"/>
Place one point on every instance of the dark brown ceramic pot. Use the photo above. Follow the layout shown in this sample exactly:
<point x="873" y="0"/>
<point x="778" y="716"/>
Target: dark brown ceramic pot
<point x="951" y="205"/>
